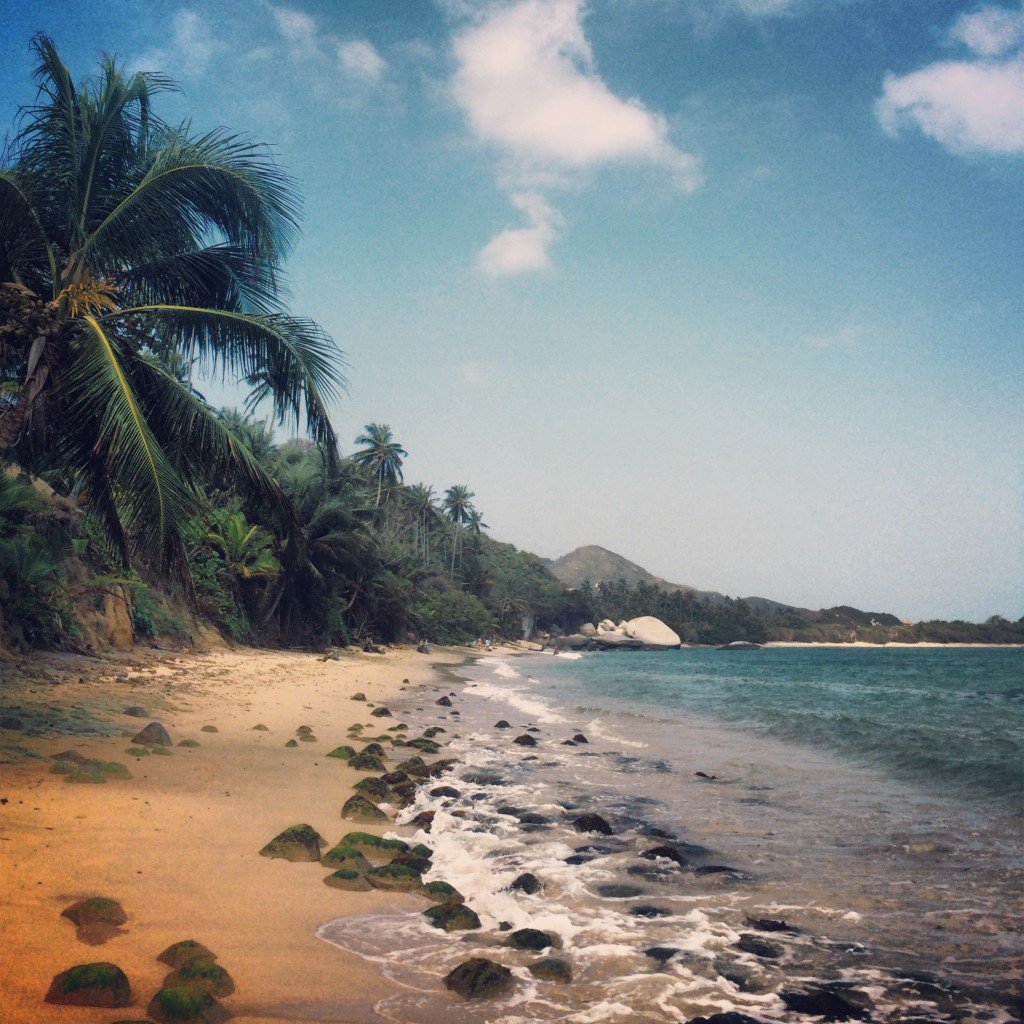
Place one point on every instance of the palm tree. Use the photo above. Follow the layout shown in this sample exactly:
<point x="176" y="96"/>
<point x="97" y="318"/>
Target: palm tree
<point x="458" y="507"/>
<point x="420" y="504"/>
<point x="382" y="455"/>
<point x="129" y="246"/>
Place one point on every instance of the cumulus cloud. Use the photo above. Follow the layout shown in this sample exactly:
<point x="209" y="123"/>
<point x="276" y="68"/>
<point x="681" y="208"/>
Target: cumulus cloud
<point x="526" y="80"/>
<point x="190" y="49"/>
<point x="971" y="105"/>
<point x="361" y="60"/>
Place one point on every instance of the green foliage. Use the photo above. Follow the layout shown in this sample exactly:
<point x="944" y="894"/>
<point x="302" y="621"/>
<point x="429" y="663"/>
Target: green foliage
<point x="452" y="617"/>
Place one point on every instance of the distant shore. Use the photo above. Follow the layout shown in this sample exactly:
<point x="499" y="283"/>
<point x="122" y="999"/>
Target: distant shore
<point x="865" y="643"/>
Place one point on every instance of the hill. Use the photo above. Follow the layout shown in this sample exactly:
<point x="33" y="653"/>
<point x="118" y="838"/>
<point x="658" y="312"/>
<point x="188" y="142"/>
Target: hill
<point x="598" y="564"/>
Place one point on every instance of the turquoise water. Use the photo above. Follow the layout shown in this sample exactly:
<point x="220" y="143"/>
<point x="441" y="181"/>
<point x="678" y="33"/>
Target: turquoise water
<point x="950" y="720"/>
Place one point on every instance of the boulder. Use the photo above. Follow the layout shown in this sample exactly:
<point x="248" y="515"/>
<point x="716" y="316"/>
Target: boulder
<point x="447" y="791"/>
<point x="209" y="728"/>
<point x="202" y="974"/>
<point x="527" y="882"/>
<point x="260" y="727"/>
<point x="452" y="917"/>
<point x="349" y="880"/>
<point x="183" y="743"/>
<point x="292" y="743"/>
<point x="768" y="924"/>
<point x="380" y="713"/>
<point x="830" y="1002"/>
<point x="364" y="762"/>
<point x="573" y="642"/>
<point x="358" y="808"/>
<point x="618" y="641"/>
<point x="534" y="940"/>
<point x="552" y="968"/>
<point x="358" y="696"/>
<point x="606" y="626"/>
<point x="588" y="629"/>
<point x="502" y="724"/>
<point x="183" y="952"/>
<point x="96" y="910"/>
<point x="444" y="702"/>
<point x="525" y="741"/>
<point x="442" y="892"/>
<point x="372" y="788"/>
<point x="99" y="984"/>
<point x="654" y="634"/>
<point x="184" y="1004"/>
<point x="365" y="842"/>
<point x="758" y="947"/>
<point x="580" y="738"/>
<point x="345" y="856"/>
<point x="394" y="878"/>
<point x="12" y="722"/>
<point x="154" y="735"/>
<point x="479" y="978"/>
<point x="343" y="753"/>
<point x="373" y="748"/>
<point x="300" y="843"/>
<point x="135" y="712"/>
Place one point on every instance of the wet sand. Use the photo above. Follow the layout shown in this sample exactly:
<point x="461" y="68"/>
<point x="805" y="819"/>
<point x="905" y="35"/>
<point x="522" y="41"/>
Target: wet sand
<point x="178" y="844"/>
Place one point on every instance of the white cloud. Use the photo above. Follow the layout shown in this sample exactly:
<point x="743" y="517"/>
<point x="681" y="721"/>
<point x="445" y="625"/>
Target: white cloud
<point x="361" y="60"/>
<point x="190" y="50"/>
<point x="970" y="105"/>
<point x="526" y="80"/>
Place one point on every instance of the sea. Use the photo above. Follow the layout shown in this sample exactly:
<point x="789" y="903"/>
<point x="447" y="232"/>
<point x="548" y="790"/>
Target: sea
<point x="788" y="824"/>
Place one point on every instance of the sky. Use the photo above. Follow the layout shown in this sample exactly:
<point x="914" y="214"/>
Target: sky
<point x="734" y="288"/>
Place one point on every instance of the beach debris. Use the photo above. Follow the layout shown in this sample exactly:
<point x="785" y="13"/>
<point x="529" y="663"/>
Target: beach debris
<point x="358" y="808"/>
<point x="184" y="1004"/>
<point x="527" y="883"/>
<point x="442" y="892"/>
<point x="372" y="788"/>
<point x="552" y="968"/>
<point x="706" y="775"/>
<point x="183" y="952"/>
<point x="154" y="735"/>
<point x="260" y="727"/>
<point x="380" y="712"/>
<point x="209" y="728"/>
<point x="533" y="939"/>
<point x="298" y="843"/>
<point x="444" y="702"/>
<point x="202" y="973"/>
<point x="394" y="878"/>
<point x="830" y="1002"/>
<point x="358" y="696"/>
<point x="135" y="712"/>
<point x="188" y="743"/>
<point x="363" y="762"/>
<point x="525" y="741"/>
<point x="479" y="978"/>
<point x="768" y="924"/>
<point x="348" y="879"/>
<point x="345" y="856"/>
<point x="452" y="917"/>
<point x="449" y="791"/>
<point x="592" y="823"/>
<point x="98" y="984"/>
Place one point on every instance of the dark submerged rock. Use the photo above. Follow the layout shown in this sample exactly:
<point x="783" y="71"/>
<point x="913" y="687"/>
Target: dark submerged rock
<point x="666" y="852"/>
<point x="661" y="953"/>
<point x="527" y="882"/>
<point x="732" y="1017"/>
<point x="424" y="820"/>
<point x="364" y="762"/>
<point x="580" y="738"/>
<point x="552" y="968"/>
<point x="154" y="735"/>
<point x="526" y="740"/>
<point x="203" y="974"/>
<point x="98" y="984"/>
<point x="12" y="722"/>
<point x="381" y="712"/>
<point x="619" y="891"/>
<point x="533" y="939"/>
<point x="592" y="823"/>
<point x="300" y="843"/>
<point x="444" y="702"/>
<point x="502" y="724"/>
<point x="452" y="917"/>
<point x="449" y="791"/>
<point x="829" y="1002"/>
<point x="758" y="947"/>
<point x="479" y="978"/>
<point x="650" y="911"/>
<point x="768" y="924"/>
<point x="185" y="1004"/>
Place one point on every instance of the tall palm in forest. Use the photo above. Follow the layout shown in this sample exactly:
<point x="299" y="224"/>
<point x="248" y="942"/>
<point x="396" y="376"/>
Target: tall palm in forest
<point x="458" y="507"/>
<point x="421" y="508"/>
<point x="128" y="247"/>
<point x="382" y="455"/>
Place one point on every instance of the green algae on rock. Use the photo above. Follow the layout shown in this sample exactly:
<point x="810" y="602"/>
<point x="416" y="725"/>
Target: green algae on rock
<point x="185" y="1004"/>
<point x="479" y="978"/>
<point x="98" y="984"/>
<point x="344" y="856"/>
<point x="373" y="788"/>
<point x="183" y="952"/>
<point x="366" y="841"/>
<point x="348" y="879"/>
<point x="138" y="751"/>
<point x="300" y="843"/>
<point x="452" y="917"/>
<point x="260" y="727"/>
<point x="366" y="763"/>
<point x="188" y="743"/>
<point x="95" y="910"/>
<point x="209" y="728"/>
<point x="203" y="974"/>
<point x="394" y="878"/>
<point x="442" y="892"/>
<point x="343" y="753"/>
<point x="358" y="808"/>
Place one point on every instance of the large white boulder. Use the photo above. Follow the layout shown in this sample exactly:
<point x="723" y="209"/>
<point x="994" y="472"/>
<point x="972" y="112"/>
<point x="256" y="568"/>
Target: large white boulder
<point x="588" y="629"/>
<point x="616" y="640"/>
<point x="653" y="633"/>
<point x="606" y="626"/>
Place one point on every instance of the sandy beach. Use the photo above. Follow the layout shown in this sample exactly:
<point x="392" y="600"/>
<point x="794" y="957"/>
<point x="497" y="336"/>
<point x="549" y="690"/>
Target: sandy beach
<point x="178" y="844"/>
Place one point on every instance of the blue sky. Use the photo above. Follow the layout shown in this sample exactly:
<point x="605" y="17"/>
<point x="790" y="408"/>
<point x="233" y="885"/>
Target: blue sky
<point x="732" y="287"/>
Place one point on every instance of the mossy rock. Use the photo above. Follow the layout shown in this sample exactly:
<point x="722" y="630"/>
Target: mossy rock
<point x="394" y="778"/>
<point x="552" y="968"/>
<point x="434" y="730"/>
<point x="70" y="756"/>
<point x="162" y="751"/>
<point x="403" y="794"/>
<point x="534" y="939"/>
<point x="369" y="843"/>
<point x="96" y="910"/>
<point x="300" y="843"/>
<point x="442" y="892"/>
<point x="358" y="696"/>
<point x="415" y="767"/>
<point x="358" y="727"/>
<point x="348" y="879"/>
<point x="427" y="746"/>
<point x="65" y="767"/>
<point x="366" y="763"/>
<point x="479" y="978"/>
<point x="417" y="862"/>
<point x="372" y="788"/>
<point x="345" y="856"/>
<point x="138" y="751"/>
<point x="185" y="1004"/>
<point x="381" y="712"/>
<point x="96" y="772"/>
<point x="303" y="729"/>
<point x="207" y="728"/>
<point x="292" y="743"/>
<point x="307" y="737"/>
<point x="260" y="727"/>
<point x="183" y="952"/>
<point x="188" y="743"/>
<point x="452" y="917"/>
<point x="373" y="748"/>
<point x="420" y="850"/>
<point x="344" y="753"/>
<point x="394" y="878"/>
<point x="202" y="974"/>
<point x="358" y="808"/>
<point x="154" y="735"/>
<point x="99" y="984"/>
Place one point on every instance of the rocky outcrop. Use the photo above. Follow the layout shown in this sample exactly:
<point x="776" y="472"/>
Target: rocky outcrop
<point x="654" y="634"/>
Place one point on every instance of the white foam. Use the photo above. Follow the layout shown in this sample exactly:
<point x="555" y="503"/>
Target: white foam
<point x="533" y="707"/>
<point x="500" y="668"/>
<point x="569" y="655"/>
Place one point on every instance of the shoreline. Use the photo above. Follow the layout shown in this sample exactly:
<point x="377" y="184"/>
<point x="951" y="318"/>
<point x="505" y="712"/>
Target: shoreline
<point x="178" y="844"/>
